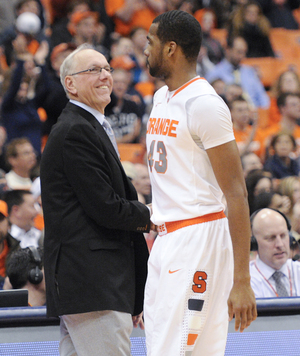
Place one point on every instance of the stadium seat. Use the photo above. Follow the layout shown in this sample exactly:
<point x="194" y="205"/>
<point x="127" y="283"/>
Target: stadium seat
<point x="265" y="67"/>
<point x="133" y="152"/>
<point x="220" y="34"/>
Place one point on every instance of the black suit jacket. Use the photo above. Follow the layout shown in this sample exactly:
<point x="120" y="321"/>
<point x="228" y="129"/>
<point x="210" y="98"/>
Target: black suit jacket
<point x="95" y="252"/>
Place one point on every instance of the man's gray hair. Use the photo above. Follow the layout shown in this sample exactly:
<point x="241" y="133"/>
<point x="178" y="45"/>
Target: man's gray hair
<point x="68" y="64"/>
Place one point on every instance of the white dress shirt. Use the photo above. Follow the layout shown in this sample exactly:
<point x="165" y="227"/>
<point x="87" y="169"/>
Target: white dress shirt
<point x="26" y="238"/>
<point x="263" y="283"/>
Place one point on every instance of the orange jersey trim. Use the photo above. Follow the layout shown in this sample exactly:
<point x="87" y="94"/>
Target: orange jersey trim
<point x="176" y="225"/>
<point x="185" y="85"/>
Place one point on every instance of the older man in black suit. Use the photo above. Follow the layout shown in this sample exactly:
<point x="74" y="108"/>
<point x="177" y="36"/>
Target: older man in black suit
<point x="95" y="252"/>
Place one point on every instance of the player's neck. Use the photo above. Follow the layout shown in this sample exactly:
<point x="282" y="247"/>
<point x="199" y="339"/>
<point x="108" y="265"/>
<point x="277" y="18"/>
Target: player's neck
<point x="179" y="78"/>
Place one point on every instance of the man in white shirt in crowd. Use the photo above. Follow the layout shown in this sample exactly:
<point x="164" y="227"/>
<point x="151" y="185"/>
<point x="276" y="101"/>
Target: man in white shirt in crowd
<point x="22" y="211"/>
<point x="273" y="273"/>
<point x="21" y="157"/>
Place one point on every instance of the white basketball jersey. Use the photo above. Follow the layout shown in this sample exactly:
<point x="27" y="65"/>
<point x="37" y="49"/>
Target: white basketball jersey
<point x="182" y="125"/>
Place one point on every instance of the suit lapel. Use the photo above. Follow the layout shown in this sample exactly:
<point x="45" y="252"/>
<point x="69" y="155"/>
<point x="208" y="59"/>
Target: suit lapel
<point x="99" y="129"/>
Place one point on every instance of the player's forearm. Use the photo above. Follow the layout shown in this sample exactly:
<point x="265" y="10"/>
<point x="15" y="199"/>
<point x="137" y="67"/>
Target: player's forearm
<point x="239" y="225"/>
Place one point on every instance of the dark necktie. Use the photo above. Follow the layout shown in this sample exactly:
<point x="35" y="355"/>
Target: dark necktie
<point x="110" y="134"/>
<point x="280" y="288"/>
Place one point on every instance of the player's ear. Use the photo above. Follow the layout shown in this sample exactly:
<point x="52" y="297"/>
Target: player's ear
<point x="171" y="48"/>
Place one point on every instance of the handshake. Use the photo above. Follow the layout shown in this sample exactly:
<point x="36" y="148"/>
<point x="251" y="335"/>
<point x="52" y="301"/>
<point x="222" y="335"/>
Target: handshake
<point x="152" y="226"/>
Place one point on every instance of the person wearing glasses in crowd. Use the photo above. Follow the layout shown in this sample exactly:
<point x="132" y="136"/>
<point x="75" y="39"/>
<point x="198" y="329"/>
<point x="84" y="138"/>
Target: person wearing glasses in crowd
<point x="94" y="223"/>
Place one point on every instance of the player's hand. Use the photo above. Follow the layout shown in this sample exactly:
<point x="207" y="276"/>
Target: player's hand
<point x="138" y="321"/>
<point x="242" y="305"/>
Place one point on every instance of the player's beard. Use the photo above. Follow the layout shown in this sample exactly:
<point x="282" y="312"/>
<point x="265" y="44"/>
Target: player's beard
<point x="157" y="69"/>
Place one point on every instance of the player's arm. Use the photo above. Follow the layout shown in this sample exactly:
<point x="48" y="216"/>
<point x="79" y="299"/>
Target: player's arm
<point x="226" y="164"/>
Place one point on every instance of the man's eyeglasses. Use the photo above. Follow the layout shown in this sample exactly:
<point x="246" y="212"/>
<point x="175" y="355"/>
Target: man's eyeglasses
<point x="95" y="70"/>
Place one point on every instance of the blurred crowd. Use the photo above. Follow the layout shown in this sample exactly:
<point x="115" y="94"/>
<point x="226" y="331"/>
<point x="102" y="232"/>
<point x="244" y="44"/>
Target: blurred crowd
<point x="37" y="35"/>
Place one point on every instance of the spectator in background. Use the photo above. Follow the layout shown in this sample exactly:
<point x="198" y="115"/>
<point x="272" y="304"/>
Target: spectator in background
<point x="219" y="86"/>
<point x="141" y="181"/>
<point x="21" y="101"/>
<point x="230" y="70"/>
<point x="33" y="37"/>
<point x="272" y="200"/>
<point x="280" y="163"/>
<point x="21" y="214"/>
<point x="247" y="135"/>
<point x="250" y="161"/>
<point x="233" y="91"/>
<point x="249" y="22"/>
<point x="287" y="82"/>
<point x="128" y="14"/>
<point x="138" y="37"/>
<point x="215" y="51"/>
<point x="280" y="12"/>
<point x="272" y="270"/>
<point x="21" y="157"/>
<point x="56" y="98"/>
<point x="122" y="113"/>
<point x="257" y="181"/>
<point x="289" y="107"/>
<point x="290" y="186"/>
<point x="86" y="28"/>
<point x="25" y="270"/>
<point x="122" y="53"/>
<point x="60" y="30"/>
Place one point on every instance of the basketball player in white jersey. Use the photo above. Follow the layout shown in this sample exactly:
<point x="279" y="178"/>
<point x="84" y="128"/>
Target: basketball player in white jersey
<point x="198" y="271"/>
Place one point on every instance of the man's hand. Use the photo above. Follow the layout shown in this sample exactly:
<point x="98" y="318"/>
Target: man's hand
<point x="138" y="321"/>
<point x="242" y="305"/>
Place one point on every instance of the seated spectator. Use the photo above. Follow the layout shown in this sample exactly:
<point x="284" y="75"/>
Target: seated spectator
<point x="250" y="161"/>
<point x="230" y="70"/>
<point x="60" y="31"/>
<point x="273" y="273"/>
<point x="287" y="82"/>
<point x="25" y="270"/>
<point x="249" y="22"/>
<point x="272" y="200"/>
<point x="86" y="28"/>
<point x="247" y="135"/>
<point x="290" y="186"/>
<point x="280" y="163"/>
<point x="289" y="107"/>
<point x="127" y="15"/>
<point x="21" y="101"/>
<point x="280" y="13"/>
<point x="122" y="113"/>
<point x="257" y="181"/>
<point x="21" y="214"/>
<point x="21" y="157"/>
<point x="219" y="86"/>
<point x="123" y="57"/>
<point x="141" y="181"/>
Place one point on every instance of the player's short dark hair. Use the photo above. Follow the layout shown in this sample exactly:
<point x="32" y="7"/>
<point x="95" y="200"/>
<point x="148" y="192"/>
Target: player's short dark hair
<point x="182" y="28"/>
